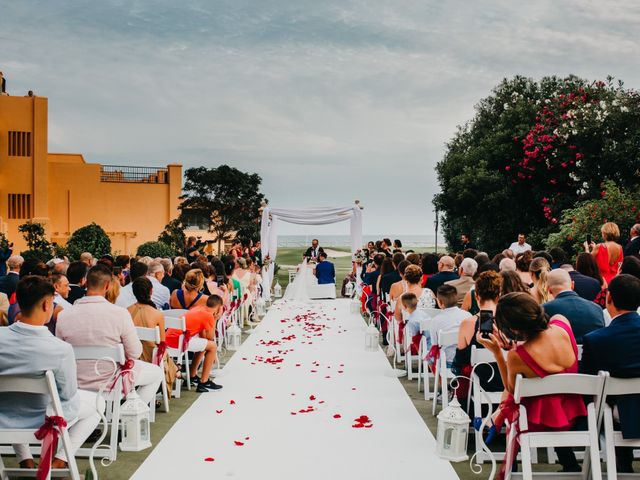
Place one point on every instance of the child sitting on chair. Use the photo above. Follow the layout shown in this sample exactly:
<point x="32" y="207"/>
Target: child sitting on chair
<point x="413" y="317"/>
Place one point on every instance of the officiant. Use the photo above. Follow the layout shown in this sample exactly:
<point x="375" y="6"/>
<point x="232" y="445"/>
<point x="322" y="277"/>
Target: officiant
<point x="314" y="251"/>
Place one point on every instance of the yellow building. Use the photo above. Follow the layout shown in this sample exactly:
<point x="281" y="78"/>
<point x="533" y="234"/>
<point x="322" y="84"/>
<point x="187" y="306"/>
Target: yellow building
<point x="64" y="192"/>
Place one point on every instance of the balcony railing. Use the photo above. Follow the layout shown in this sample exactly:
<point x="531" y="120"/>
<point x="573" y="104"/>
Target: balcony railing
<point x="125" y="174"/>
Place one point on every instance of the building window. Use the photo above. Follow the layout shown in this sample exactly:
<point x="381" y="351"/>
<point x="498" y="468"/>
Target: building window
<point x="19" y="206"/>
<point x="19" y="144"/>
<point x="193" y="220"/>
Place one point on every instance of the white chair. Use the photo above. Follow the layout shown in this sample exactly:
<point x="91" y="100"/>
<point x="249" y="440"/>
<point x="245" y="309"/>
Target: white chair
<point x="409" y="358"/>
<point x="613" y="438"/>
<point x="174" y="312"/>
<point x="43" y="385"/>
<point x="443" y="373"/>
<point x="566" y="383"/>
<point x="153" y="335"/>
<point x="180" y="357"/>
<point x="113" y="356"/>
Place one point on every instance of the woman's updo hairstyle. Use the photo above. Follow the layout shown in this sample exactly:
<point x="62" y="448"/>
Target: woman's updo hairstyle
<point x="520" y="317"/>
<point x="193" y="280"/>
<point x="488" y="285"/>
<point x="413" y="274"/>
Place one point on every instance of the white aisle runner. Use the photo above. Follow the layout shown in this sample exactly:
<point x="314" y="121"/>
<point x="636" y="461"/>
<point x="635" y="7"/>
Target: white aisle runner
<point x="290" y="401"/>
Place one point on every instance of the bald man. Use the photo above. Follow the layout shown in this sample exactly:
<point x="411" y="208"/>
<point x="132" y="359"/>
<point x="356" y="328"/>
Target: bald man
<point x="583" y="315"/>
<point x="446" y="266"/>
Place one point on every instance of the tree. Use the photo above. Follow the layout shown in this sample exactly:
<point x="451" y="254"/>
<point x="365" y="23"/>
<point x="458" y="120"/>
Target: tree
<point x="90" y="238"/>
<point x="155" y="250"/>
<point x="173" y="236"/>
<point x="38" y="246"/>
<point x="532" y="150"/>
<point x="228" y="198"/>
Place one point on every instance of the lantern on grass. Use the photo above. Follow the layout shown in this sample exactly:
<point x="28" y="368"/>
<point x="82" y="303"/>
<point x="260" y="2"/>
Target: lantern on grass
<point x="453" y="430"/>
<point x="349" y="289"/>
<point x="233" y="337"/>
<point x="134" y="415"/>
<point x="371" y="338"/>
<point x="277" y="290"/>
<point x="261" y="307"/>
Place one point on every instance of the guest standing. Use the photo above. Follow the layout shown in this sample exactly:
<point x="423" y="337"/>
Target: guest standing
<point x="609" y="254"/>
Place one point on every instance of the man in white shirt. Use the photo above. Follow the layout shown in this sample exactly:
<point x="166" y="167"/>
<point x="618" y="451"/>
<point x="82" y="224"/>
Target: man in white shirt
<point x="62" y="288"/>
<point x="520" y="246"/>
<point x="449" y="318"/>
<point x="28" y="348"/>
<point x="160" y="294"/>
<point x="126" y="298"/>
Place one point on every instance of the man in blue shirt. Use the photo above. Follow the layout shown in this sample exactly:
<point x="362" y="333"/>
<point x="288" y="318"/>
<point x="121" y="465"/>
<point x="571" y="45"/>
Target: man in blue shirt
<point x="29" y="348"/>
<point x="325" y="271"/>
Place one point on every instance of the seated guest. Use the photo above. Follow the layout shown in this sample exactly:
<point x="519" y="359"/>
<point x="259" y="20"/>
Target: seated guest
<point x="429" y="264"/>
<point x="114" y="290"/>
<point x="94" y="321"/>
<point x="467" y="270"/>
<point x="76" y="274"/>
<point x="61" y="285"/>
<point x="87" y="259"/>
<point x="487" y="293"/>
<point x="189" y="296"/>
<point x="167" y="280"/>
<point x="558" y="257"/>
<point x="470" y="302"/>
<point x="325" y="271"/>
<point x="412" y="320"/>
<point x="631" y="266"/>
<point x="161" y="293"/>
<point x="388" y="279"/>
<point x="511" y="282"/>
<point x="633" y="246"/>
<point x="448" y="319"/>
<point x="145" y="314"/>
<point x="370" y="276"/>
<point x="412" y="278"/>
<point x="398" y="288"/>
<point x="586" y="265"/>
<point x="28" y="348"/>
<point x="586" y="287"/>
<point x="523" y="262"/>
<point x="385" y="268"/>
<point x="615" y="349"/>
<point x="126" y="298"/>
<point x="583" y="315"/>
<point x="544" y="347"/>
<point x="539" y="269"/>
<point x="201" y="330"/>
<point x="507" y="265"/>
<point x="9" y="282"/>
<point x="445" y="273"/>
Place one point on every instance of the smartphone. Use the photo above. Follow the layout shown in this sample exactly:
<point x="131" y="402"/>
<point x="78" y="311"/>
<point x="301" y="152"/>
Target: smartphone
<point x="219" y="280"/>
<point x="588" y="238"/>
<point x="486" y="323"/>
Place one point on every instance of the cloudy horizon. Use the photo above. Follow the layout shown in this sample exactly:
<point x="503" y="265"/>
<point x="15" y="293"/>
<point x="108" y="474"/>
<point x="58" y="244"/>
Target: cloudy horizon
<point x="327" y="101"/>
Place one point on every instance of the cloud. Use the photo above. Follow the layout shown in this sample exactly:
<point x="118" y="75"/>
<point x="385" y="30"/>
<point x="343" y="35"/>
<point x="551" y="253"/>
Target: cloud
<point x="328" y="101"/>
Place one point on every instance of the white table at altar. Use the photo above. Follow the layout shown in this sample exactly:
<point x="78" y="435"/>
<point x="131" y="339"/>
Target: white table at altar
<point x="260" y="426"/>
<point x="315" y="290"/>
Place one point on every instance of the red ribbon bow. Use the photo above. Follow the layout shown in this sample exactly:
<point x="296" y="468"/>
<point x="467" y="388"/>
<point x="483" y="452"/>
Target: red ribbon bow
<point x="510" y="410"/>
<point x="433" y="356"/>
<point x="48" y="433"/>
<point x="185" y="341"/>
<point x="160" y="351"/>
<point x="126" y="373"/>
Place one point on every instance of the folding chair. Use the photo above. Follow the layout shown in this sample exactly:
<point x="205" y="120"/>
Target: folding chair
<point x="114" y="355"/>
<point x="43" y="385"/>
<point x="443" y="373"/>
<point x="565" y="383"/>
<point x="613" y="438"/>
<point x="174" y="312"/>
<point x="153" y="335"/>
<point x="180" y="354"/>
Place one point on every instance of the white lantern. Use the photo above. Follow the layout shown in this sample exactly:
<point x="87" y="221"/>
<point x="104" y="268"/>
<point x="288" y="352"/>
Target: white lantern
<point x="371" y="338"/>
<point x="349" y="289"/>
<point x="134" y="415"/>
<point x="453" y="430"/>
<point x="277" y="290"/>
<point x="261" y="307"/>
<point x="233" y="337"/>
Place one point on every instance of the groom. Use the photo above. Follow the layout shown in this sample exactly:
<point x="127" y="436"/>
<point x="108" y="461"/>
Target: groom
<point x="314" y="251"/>
<point x="325" y="271"/>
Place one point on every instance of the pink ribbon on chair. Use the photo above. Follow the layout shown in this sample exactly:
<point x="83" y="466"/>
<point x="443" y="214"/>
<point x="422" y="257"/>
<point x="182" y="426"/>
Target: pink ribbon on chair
<point x="48" y="434"/>
<point x="510" y="410"/>
<point x="126" y="373"/>
<point x="185" y="341"/>
<point x="433" y="356"/>
<point x="161" y="349"/>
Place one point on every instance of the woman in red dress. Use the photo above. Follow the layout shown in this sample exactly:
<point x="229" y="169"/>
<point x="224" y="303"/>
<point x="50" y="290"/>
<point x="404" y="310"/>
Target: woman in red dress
<point x="609" y="254"/>
<point x="538" y="346"/>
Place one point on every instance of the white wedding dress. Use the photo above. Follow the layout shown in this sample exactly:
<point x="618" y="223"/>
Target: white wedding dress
<point x="297" y="290"/>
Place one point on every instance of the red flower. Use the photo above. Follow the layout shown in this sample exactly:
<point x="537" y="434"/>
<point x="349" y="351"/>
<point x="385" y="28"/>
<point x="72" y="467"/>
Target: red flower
<point x="209" y="459"/>
<point x="238" y="444"/>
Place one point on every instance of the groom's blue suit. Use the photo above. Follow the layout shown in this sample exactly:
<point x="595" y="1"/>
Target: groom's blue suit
<point x="325" y="272"/>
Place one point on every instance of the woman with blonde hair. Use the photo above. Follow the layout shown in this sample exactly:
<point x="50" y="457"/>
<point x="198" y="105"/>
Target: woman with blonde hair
<point x="539" y="269"/>
<point x="114" y="290"/>
<point x="189" y="295"/>
<point x="608" y="254"/>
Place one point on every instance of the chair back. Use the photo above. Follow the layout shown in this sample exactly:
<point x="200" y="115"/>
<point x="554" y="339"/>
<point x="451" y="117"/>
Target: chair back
<point x="447" y="337"/>
<point x="179" y="323"/>
<point x="100" y="352"/>
<point x="149" y="334"/>
<point x="482" y="355"/>
<point x="620" y="386"/>
<point x="579" y="352"/>
<point x="430" y="312"/>
<point x="562" y="383"/>
<point x="174" y="312"/>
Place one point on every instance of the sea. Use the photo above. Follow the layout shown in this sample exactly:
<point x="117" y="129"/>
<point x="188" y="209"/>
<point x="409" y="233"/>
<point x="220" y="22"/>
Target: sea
<point x="408" y="241"/>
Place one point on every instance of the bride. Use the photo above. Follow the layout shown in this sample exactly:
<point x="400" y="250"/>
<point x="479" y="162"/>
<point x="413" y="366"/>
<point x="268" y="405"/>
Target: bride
<point x="297" y="290"/>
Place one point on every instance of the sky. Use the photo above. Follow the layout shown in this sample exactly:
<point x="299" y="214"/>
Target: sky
<point x="329" y="101"/>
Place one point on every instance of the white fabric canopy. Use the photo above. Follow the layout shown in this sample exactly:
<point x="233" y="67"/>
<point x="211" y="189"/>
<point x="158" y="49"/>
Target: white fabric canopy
<point x="307" y="216"/>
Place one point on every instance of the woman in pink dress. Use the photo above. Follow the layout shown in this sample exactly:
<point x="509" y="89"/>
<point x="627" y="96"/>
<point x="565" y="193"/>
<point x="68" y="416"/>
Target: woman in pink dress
<point x="537" y="347"/>
<point x="609" y="254"/>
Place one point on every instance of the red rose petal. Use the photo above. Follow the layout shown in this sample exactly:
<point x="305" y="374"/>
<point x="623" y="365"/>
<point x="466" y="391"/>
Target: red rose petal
<point x="337" y="415"/>
<point x="218" y="411"/>
<point x="357" y="425"/>
<point x="294" y="413"/>
<point x="314" y="371"/>
<point x="238" y="444"/>
<point x="232" y="402"/>
<point x="246" y="438"/>
<point x="312" y="398"/>
<point x="353" y="388"/>
<point x="258" y="397"/>
<point x="209" y="459"/>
